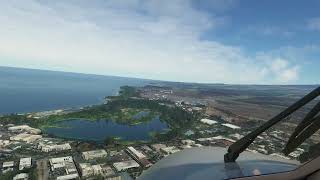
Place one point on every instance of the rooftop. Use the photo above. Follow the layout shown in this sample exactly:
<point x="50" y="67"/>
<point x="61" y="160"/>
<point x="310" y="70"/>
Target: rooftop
<point x="136" y="153"/>
<point x="94" y="154"/>
<point x="208" y="121"/>
<point x="21" y="176"/>
<point x="124" y="165"/>
<point x="8" y="164"/>
<point x="231" y="126"/>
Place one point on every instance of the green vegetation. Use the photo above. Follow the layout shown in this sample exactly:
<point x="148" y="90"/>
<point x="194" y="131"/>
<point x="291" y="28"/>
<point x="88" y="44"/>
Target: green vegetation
<point x="9" y="175"/>
<point x="126" y="108"/>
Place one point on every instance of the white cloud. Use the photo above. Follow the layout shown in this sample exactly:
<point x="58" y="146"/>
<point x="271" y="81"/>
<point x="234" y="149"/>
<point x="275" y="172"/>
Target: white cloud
<point x="279" y="64"/>
<point x="147" y="39"/>
<point x="269" y="30"/>
<point x="314" y="23"/>
<point x="284" y="73"/>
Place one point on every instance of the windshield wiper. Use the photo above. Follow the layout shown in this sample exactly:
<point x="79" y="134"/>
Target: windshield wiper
<point x="238" y="147"/>
<point x="308" y="126"/>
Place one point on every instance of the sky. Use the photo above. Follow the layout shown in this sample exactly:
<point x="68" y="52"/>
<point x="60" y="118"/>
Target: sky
<point x="205" y="41"/>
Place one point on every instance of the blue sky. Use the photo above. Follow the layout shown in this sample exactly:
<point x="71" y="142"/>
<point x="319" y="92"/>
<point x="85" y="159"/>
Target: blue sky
<point x="212" y="41"/>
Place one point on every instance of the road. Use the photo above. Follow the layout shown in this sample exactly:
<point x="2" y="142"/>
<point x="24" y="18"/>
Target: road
<point x="42" y="169"/>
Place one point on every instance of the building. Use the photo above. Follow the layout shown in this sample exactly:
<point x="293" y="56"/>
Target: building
<point x="86" y="169"/>
<point x="22" y="176"/>
<point x="170" y="150"/>
<point x="94" y="154"/>
<point x="97" y="169"/>
<point x="68" y="177"/>
<point x="139" y="157"/>
<point x="208" y="121"/>
<point x="296" y="153"/>
<point x="90" y="170"/>
<point x="60" y="162"/>
<point x="132" y="151"/>
<point x="189" y="133"/>
<point x="146" y="148"/>
<point x="197" y="145"/>
<point x="124" y="165"/>
<point x="25" y="163"/>
<point x="188" y="142"/>
<point x="107" y="171"/>
<point x="66" y="163"/>
<point x="238" y="136"/>
<point x="55" y="147"/>
<point x="217" y="140"/>
<point x="24" y="128"/>
<point x="4" y="143"/>
<point x="9" y="164"/>
<point x="28" y="138"/>
<point x="157" y="147"/>
<point x="231" y="126"/>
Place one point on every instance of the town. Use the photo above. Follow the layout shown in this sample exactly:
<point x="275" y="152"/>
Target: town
<point x="28" y="153"/>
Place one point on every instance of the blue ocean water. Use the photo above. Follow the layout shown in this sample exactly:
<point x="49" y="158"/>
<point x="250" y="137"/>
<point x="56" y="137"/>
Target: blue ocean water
<point x="26" y="90"/>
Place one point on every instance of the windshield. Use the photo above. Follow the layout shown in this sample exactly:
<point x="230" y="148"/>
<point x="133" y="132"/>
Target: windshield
<point x="117" y="89"/>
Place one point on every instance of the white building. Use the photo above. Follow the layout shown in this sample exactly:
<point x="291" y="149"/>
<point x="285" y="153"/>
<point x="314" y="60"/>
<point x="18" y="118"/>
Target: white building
<point x="4" y="143"/>
<point x="68" y="165"/>
<point x="94" y="154"/>
<point x="135" y="153"/>
<point x="157" y="147"/>
<point x="170" y="150"/>
<point x="296" y="153"/>
<point x="215" y="138"/>
<point x="22" y="176"/>
<point x="24" y="128"/>
<point x="25" y="137"/>
<point x="124" y="165"/>
<point x="68" y="177"/>
<point x="55" y="147"/>
<point x="90" y="170"/>
<point x="9" y="164"/>
<point x="208" y="121"/>
<point x="107" y="170"/>
<point x="231" y="126"/>
<point x="239" y="136"/>
<point x="188" y="142"/>
<point x="146" y="148"/>
<point x="197" y="145"/>
<point x="86" y="169"/>
<point x="139" y="157"/>
<point x="60" y="162"/>
<point x="97" y="169"/>
<point x="25" y="163"/>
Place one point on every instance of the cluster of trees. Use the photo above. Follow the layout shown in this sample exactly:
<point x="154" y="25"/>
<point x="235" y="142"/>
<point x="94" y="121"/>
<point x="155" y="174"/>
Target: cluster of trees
<point x="176" y="118"/>
<point x="12" y="118"/>
<point x="9" y="175"/>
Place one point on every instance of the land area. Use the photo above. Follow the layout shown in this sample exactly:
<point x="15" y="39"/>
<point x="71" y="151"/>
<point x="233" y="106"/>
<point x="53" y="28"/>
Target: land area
<point x="127" y="108"/>
<point x="196" y="114"/>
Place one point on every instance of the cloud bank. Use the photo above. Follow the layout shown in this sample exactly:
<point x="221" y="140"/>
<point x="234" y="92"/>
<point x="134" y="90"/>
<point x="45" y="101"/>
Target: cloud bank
<point x="136" y="38"/>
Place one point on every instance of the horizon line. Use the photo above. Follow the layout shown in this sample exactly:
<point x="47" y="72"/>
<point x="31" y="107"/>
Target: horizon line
<point x="159" y="80"/>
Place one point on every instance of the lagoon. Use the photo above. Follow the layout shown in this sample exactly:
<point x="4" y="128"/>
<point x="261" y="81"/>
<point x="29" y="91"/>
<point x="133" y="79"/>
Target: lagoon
<point x="98" y="130"/>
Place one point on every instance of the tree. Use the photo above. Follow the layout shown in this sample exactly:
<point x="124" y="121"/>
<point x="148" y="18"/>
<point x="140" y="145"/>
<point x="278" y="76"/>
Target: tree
<point x="110" y="141"/>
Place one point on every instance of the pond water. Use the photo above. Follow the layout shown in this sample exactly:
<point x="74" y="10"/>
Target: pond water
<point x="98" y="130"/>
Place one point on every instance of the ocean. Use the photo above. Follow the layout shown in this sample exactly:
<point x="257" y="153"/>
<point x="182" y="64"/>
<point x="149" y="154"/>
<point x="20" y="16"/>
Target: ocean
<point x="28" y="90"/>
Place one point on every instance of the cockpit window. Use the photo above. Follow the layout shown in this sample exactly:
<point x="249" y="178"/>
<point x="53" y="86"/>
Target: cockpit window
<point x="129" y="89"/>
